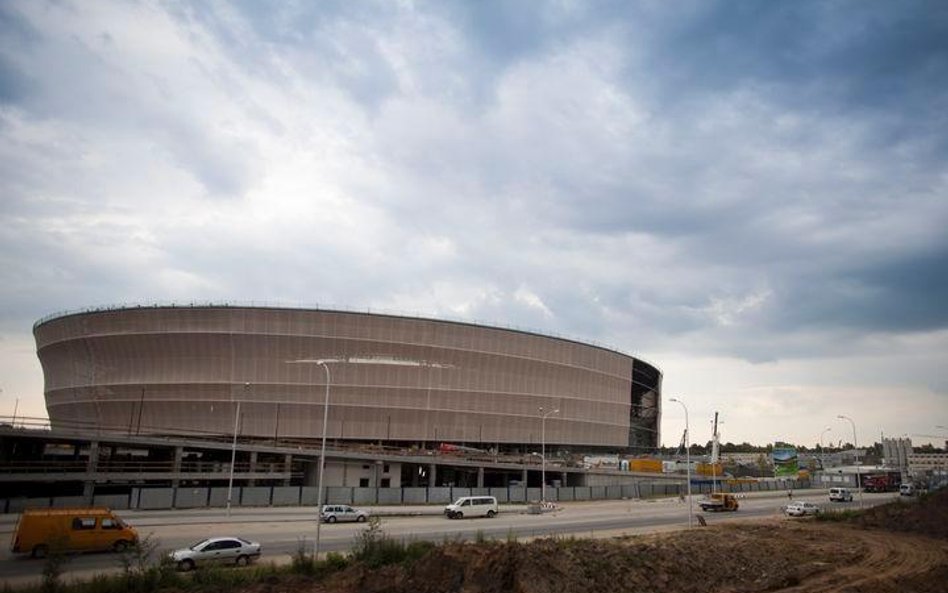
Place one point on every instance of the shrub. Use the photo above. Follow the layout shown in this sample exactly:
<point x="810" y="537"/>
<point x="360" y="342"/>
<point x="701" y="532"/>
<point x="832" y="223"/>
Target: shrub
<point x="374" y="549"/>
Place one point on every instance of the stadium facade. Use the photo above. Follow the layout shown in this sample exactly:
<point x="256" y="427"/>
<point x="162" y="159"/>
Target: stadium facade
<point x="182" y="370"/>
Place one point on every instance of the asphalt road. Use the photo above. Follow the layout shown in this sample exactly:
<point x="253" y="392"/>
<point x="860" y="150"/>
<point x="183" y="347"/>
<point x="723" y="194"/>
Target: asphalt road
<point x="282" y="531"/>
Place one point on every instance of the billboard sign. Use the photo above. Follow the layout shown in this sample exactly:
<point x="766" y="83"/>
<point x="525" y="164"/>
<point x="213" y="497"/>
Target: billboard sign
<point x="785" y="461"/>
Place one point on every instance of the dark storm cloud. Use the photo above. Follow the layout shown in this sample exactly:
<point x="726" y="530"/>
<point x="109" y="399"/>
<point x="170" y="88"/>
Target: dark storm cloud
<point x="905" y="293"/>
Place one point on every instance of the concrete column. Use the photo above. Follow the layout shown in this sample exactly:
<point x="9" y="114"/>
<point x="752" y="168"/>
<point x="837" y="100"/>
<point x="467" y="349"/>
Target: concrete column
<point x="288" y="467"/>
<point x="524" y="479"/>
<point x="480" y="477"/>
<point x="176" y="466"/>
<point x="432" y="475"/>
<point x="252" y="468"/>
<point x="563" y="480"/>
<point x="88" y="487"/>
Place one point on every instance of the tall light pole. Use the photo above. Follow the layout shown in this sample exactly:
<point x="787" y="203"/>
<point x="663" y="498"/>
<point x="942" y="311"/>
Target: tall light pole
<point x="233" y="451"/>
<point x="325" y="362"/>
<point x="856" y="454"/>
<point x="543" y="417"/>
<point x="691" y="512"/>
<point x="823" y="450"/>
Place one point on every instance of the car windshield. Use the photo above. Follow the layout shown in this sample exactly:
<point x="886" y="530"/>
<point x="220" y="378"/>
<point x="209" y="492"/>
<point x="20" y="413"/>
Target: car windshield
<point x="197" y="544"/>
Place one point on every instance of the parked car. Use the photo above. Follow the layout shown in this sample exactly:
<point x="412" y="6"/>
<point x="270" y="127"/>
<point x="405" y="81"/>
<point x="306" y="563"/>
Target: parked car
<point x="841" y="495"/>
<point x="342" y="513"/>
<point x="801" y="508"/>
<point x="216" y="550"/>
<point x="472" y="506"/>
<point x="907" y="489"/>
<point x="40" y="531"/>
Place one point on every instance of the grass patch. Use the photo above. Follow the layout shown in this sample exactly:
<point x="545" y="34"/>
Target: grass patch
<point x="375" y="549"/>
<point x="844" y="516"/>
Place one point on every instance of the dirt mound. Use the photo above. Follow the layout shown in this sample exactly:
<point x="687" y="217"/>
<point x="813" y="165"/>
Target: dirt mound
<point x="728" y="558"/>
<point x="926" y="516"/>
<point x="789" y="556"/>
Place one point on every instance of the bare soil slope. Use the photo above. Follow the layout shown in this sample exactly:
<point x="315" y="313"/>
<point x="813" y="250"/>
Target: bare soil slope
<point x="900" y="548"/>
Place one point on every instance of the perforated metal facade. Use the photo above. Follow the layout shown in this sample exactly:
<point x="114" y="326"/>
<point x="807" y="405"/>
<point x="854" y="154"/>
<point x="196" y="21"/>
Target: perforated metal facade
<point x="182" y="370"/>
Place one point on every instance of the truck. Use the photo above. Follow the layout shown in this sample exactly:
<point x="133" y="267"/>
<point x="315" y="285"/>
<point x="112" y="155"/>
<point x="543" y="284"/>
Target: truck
<point x="40" y="532"/>
<point x="719" y="501"/>
<point x="881" y="483"/>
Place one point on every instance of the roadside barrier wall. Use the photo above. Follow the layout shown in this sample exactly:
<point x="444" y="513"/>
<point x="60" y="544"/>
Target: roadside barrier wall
<point x="261" y="496"/>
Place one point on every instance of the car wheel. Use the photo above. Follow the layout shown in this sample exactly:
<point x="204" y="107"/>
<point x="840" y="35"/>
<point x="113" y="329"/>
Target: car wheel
<point x="459" y="515"/>
<point x="360" y="519"/>
<point x="491" y="514"/>
<point x="330" y="519"/>
<point x="120" y="546"/>
<point x="40" y="551"/>
<point x="186" y="565"/>
<point x="242" y="561"/>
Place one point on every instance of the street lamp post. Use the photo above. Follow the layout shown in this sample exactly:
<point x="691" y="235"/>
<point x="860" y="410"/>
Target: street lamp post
<point x="233" y="451"/>
<point x="822" y="450"/>
<point x="691" y="512"/>
<point x="856" y="455"/>
<point x="325" y="362"/>
<point x="543" y="417"/>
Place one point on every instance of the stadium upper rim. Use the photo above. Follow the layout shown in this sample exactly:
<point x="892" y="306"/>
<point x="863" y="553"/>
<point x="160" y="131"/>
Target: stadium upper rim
<point x="330" y="309"/>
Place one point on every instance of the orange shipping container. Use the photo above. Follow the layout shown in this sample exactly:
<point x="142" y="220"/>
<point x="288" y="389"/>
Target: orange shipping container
<point x="709" y="469"/>
<point x="645" y="465"/>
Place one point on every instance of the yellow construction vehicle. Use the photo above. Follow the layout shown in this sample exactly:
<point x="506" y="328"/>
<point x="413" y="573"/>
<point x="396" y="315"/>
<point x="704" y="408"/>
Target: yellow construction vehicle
<point x="719" y="501"/>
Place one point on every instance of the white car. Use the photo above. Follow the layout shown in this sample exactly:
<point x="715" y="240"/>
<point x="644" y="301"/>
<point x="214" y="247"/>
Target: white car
<point x="216" y="550"/>
<point x="841" y="495"/>
<point x="802" y="508"/>
<point x="472" y="506"/>
<point x="342" y="513"/>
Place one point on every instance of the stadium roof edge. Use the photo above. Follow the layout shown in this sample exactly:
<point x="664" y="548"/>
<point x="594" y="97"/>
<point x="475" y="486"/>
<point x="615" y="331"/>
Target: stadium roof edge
<point x="331" y="309"/>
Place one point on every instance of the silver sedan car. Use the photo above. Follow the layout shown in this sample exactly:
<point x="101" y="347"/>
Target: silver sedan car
<point x="216" y="550"/>
<point x="342" y="513"/>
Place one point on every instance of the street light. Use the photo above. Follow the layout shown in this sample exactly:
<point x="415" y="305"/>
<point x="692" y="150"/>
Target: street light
<point x="325" y="362"/>
<point x="822" y="450"/>
<point x="691" y="512"/>
<point x="856" y="455"/>
<point x="233" y="451"/>
<point x="543" y="417"/>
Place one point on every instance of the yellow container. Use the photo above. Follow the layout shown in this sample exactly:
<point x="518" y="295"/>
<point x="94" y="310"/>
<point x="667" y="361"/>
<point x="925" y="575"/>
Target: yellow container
<point x="645" y="465"/>
<point x="709" y="469"/>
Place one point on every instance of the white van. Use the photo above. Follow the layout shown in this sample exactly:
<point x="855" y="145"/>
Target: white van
<point x="472" y="506"/>
<point x="907" y="489"/>
<point x="841" y="495"/>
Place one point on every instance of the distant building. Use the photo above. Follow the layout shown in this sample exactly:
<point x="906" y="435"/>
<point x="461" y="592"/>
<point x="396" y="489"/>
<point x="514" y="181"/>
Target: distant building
<point x="919" y="463"/>
<point x="896" y="453"/>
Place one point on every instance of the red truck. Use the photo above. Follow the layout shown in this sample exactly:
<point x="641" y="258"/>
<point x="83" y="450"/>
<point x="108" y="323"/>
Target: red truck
<point x="882" y="483"/>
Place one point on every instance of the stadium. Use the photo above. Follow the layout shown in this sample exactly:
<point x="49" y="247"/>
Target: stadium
<point x="391" y="380"/>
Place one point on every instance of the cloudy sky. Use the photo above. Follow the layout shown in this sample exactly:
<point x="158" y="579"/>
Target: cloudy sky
<point x="751" y="195"/>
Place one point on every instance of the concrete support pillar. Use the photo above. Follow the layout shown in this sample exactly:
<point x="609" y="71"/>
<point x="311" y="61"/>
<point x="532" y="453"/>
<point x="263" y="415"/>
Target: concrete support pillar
<point x="252" y="468"/>
<point x="288" y="467"/>
<point x="480" y="477"/>
<point x="563" y="479"/>
<point x="523" y="480"/>
<point x="92" y="465"/>
<point x="176" y="466"/>
<point x="432" y="475"/>
<point x="414" y="478"/>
